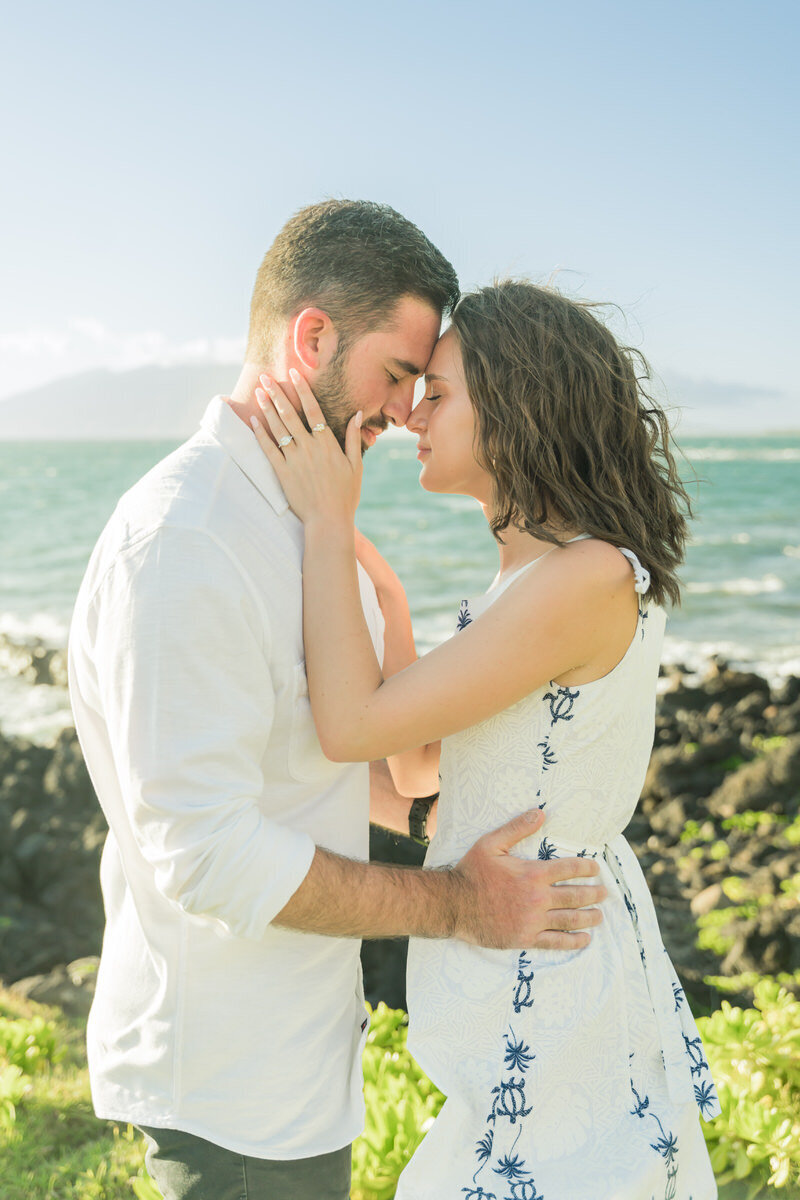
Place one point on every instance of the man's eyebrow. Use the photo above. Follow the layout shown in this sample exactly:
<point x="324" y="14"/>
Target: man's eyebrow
<point x="408" y="367"/>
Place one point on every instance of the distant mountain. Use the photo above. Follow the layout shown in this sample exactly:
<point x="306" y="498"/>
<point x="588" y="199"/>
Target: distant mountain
<point x="707" y="406"/>
<point x="149" y="402"/>
<point x="168" y="402"/>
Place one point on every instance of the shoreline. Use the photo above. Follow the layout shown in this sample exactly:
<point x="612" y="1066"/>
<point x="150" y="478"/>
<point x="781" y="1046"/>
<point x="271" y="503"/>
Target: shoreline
<point x="29" y="662"/>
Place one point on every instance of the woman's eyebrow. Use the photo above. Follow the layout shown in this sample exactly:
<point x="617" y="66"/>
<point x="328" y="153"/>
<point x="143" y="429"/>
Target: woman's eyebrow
<point x="436" y="378"/>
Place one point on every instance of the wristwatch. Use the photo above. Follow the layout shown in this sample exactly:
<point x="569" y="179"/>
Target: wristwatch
<point x="418" y="818"/>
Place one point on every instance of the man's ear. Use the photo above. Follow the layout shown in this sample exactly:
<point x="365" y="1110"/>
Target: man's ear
<point x="315" y="338"/>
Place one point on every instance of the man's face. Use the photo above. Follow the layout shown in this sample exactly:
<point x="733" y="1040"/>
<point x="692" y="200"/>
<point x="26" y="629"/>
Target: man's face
<point x="377" y="372"/>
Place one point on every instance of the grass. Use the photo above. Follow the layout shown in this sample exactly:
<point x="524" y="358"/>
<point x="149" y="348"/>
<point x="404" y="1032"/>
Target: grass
<point x="52" y="1147"/>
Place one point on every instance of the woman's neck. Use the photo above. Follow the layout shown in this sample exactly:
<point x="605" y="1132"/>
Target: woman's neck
<point x="519" y="548"/>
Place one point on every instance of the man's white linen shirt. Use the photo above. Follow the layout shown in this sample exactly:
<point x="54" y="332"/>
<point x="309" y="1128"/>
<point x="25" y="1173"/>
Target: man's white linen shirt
<point x="188" y="687"/>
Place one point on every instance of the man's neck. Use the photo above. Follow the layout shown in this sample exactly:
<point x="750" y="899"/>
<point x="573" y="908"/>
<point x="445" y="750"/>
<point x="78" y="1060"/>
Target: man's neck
<point x="243" y="397"/>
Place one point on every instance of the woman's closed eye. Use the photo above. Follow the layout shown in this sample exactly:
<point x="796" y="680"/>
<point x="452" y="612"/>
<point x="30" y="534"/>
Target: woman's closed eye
<point x="432" y="399"/>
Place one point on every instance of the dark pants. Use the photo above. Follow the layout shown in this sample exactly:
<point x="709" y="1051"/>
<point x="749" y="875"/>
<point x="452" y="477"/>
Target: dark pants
<point x="188" y="1168"/>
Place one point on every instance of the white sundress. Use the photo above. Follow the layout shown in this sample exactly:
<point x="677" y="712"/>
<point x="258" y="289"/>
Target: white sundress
<point x="569" y="1075"/>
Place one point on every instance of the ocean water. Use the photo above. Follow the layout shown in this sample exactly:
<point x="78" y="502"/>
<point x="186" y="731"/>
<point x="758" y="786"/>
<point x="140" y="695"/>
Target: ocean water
<point x="741" y="576"/>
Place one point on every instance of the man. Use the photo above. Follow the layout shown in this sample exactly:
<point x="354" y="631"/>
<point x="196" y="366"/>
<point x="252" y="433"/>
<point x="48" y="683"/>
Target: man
<point x="229" y="1018"/>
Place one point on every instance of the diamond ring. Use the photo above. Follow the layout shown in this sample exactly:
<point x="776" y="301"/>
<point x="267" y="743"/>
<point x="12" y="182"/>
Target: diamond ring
<point x="318" y="428"/>
<point x="284" y="441"/>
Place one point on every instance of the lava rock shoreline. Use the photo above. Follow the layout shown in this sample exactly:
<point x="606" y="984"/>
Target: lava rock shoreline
<point x="716" y="831"/>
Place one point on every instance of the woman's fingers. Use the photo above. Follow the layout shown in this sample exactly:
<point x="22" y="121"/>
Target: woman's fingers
<point x="352" y="441"/>
<point x="272" y="417"/>
<point x="311" y="407"/>
<point x="267" y="444"/>
<point x="287" y="412"/>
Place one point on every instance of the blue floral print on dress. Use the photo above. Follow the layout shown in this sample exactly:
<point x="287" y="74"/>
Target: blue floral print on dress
<point x="561" y="702"/>
<point x="523" y="993"/>
<point x="464" y="616"/>
<point x="666" y="1144"/>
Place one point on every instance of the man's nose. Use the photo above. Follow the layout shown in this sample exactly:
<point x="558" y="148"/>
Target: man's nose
<point x="399" y="407"/>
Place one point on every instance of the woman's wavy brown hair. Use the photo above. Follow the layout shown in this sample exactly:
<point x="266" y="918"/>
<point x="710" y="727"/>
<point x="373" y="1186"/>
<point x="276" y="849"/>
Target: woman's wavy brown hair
<point x="567" y="429"/>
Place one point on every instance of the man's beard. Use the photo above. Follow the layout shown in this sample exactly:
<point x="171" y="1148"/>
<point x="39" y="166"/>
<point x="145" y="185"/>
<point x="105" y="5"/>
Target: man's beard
<point x="331" y="391"/>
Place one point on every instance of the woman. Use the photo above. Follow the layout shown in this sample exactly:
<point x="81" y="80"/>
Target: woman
<point x="570" y="1075"/>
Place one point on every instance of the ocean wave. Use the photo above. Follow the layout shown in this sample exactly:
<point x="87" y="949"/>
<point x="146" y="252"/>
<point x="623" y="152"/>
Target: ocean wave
<point x="40" y="712"/>
<point x="744" y="454"/>
<point x="774" y="663"/>
<point x="721" y="539"/>
<point x="738" y="587"/>
<point x="38" y="627"/>
<point x="37" y="713"/>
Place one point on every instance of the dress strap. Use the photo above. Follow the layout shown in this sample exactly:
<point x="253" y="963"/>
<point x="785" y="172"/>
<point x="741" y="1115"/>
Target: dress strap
<point x="502" y="583"/>
<point x="525" y="566"/>
<point x="641" y="574"/>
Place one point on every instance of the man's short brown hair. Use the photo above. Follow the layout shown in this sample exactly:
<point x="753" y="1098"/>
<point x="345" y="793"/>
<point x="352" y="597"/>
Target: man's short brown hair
<point x="352" y="258"/>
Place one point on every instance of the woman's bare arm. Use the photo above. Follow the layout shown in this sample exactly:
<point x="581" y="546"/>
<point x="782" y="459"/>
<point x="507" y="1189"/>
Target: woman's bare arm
<point x="388" y="807"/>
<point x="556" y="619"/>
<point x="415" y="772"/>
<point x="545" y="624"/>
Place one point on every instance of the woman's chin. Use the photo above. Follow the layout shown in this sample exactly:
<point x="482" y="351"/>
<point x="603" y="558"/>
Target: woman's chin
<point x="427" y="482"/>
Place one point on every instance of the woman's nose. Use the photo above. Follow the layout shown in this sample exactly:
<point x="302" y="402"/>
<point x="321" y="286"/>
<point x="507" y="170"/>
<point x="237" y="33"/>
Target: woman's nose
<point x="418" y="418"/>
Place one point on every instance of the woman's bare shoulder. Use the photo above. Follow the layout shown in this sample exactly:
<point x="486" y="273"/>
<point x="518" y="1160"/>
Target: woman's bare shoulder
<point x="591" y="565"/>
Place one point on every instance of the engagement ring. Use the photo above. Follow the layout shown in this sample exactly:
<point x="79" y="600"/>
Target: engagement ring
<point x="284" y="441"/>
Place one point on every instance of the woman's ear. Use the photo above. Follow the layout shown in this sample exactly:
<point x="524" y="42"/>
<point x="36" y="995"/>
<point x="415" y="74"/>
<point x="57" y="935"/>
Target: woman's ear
<point x="315" y="339"/>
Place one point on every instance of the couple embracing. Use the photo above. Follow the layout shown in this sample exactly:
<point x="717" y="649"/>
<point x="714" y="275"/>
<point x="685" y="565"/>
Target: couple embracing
<point x="240" y="655"/>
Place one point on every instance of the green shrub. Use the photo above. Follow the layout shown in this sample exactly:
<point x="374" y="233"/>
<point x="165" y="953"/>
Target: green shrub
<point x="401" y="1103"/>
<point x="763" y="745"/>
<point x="752" y="819"/>
<point x="792" y="832"/>
<point x="715" y="929"/>
<point x="29" y="1043"/>
<point x="12" y="1089"/>
<point x="694" y="832"/>
<point x="747" y="980"/>
<point x="53" y="1148"/>
<point x="754" y="1056"/>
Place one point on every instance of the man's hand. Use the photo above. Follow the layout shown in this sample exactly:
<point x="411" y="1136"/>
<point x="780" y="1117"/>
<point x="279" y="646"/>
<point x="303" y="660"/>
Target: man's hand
<point x="507" y="902"/>
<point x="490" y="898"/>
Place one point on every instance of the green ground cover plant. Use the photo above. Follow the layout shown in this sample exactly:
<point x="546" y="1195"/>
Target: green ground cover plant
<point x="52" y="1147"/>
<point x="754" y="1055"/>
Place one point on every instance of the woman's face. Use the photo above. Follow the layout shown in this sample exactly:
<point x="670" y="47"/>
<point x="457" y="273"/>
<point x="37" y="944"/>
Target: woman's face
<point x="444" y="422"/>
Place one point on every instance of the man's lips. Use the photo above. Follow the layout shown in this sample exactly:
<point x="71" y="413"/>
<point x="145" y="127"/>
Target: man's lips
<point x="370" y="434"/>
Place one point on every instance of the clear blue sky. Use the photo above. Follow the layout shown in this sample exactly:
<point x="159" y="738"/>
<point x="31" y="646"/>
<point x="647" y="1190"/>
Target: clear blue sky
<point x="152" y="150"/>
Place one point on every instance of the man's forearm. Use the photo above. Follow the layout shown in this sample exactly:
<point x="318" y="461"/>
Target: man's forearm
<point x="343" y="898"/>
<point x="490" y="898"/>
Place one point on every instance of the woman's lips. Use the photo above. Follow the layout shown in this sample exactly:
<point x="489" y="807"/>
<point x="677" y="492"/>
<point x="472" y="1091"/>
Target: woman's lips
<point x="423" y="452"/>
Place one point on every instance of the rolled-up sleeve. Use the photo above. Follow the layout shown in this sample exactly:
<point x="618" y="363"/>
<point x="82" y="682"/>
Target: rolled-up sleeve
<point x="184" y="684"/>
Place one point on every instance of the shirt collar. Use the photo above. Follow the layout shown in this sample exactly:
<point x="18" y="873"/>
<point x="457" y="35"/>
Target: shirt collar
<point x="233" y="435"/>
